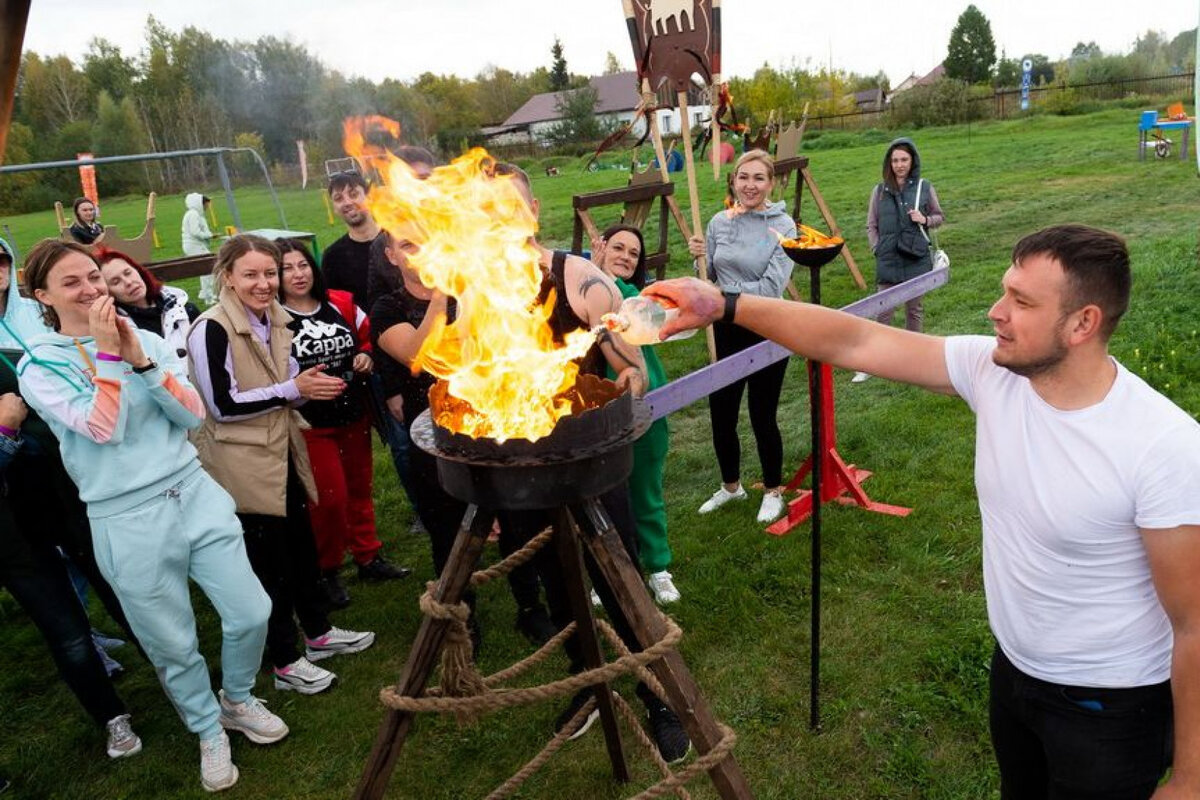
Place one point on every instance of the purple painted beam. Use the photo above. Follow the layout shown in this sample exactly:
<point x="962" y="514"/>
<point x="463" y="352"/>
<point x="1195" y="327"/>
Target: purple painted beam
<point x="684" y="391"/>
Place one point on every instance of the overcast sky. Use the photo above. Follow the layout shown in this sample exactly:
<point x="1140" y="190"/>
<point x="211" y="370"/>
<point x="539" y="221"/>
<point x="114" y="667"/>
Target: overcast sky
<point x="403" y="38"/>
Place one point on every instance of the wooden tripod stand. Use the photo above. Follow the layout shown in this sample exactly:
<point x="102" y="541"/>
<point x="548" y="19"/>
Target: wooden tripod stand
<point x="584" y="524"/>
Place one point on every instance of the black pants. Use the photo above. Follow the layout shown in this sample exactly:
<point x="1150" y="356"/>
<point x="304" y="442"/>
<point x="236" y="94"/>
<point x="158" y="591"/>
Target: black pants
<point x="725" y="404"/>
<point x="1075" y="743"/>
<point x="37" y="578"/>
<point x="524" y="525"/>
<point x="283" y="554"/>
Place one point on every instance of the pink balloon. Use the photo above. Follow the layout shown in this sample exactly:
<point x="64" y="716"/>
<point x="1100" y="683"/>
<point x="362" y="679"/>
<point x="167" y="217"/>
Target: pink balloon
<point x="727" y="153"/>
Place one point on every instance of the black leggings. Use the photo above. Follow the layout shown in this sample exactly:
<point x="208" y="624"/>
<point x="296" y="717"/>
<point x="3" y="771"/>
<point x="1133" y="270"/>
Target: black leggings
<point x="724" y="405"/>
<point x="283" y="554"/>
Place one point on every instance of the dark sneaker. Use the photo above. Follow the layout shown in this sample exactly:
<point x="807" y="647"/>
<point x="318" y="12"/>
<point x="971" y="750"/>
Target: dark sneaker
<point x="667" y="732"/>
<point x="380" y="569"/>
<point x="577" y="702"/>
<point x="334" y="590"/>
<point x="535" y="624"/>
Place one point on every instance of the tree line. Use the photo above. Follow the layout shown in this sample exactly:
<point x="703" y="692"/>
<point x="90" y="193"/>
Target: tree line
<point x="188" y="89"/>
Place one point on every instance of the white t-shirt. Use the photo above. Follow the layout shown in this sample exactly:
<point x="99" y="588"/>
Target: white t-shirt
<point x="1062" y="495"/>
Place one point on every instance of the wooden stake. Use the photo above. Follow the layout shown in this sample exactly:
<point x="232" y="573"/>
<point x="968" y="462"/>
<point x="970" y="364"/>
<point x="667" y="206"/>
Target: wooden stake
<point x="655" y="133"/>
<point x="694" y="198"/>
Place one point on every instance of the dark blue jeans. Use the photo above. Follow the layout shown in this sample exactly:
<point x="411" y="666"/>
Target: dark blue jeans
<point x="37" y="579"/>
<point x="398" y="442"/>
<point x="1070" y="743"/>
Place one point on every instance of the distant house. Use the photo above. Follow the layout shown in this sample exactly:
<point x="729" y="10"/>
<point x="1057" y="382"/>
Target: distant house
<point x="933" y="76"/>
<point x="869" y="100"/>
<point x="617" y="98"/>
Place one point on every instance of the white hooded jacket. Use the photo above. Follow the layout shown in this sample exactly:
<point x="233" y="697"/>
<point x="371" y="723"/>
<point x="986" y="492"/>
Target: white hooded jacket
<point x="195" y="230"/>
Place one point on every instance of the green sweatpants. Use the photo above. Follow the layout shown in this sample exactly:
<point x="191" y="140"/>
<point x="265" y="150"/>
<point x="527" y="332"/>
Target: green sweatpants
<point x="646" y="496"/>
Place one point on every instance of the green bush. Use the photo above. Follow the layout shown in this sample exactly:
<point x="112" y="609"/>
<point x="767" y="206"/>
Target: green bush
<point x="945" y="102"/>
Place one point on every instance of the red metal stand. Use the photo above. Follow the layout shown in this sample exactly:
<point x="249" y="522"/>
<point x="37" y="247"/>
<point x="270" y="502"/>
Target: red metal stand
<point x="837" y="477"/>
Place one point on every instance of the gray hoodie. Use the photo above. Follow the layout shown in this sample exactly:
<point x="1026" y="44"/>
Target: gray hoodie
<point x="744" y="252"/>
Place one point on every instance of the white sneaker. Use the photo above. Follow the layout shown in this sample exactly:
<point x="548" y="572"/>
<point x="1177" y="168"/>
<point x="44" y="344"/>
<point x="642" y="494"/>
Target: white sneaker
<point x="859" y="377"/>
<point x="771" y="508"/>
<point x="122" y="741"/>
<point x="721" y="497"/>
<point x="336" y="642"/>
<point x="217" y="770"/>
<point x="304" y="677"/>
<point x="663" y="588"/>
<point x="252" y="719"/>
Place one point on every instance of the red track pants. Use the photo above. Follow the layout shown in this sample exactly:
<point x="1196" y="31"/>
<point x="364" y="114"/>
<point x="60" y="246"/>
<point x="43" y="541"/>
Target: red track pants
<point x="344" y="517"/>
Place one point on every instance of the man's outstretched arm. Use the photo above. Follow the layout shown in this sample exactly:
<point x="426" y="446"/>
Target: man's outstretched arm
<point x="819" y="333"/>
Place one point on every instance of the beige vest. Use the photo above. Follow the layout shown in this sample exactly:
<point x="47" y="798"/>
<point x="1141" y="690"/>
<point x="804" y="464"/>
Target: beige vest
<point x="249" y="458"/>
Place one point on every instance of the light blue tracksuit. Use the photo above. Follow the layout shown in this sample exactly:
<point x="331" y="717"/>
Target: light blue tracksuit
<point x="157" y="517"/>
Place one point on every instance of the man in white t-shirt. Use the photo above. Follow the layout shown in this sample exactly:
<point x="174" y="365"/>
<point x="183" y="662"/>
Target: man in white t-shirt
<point x="1089" y="492"/>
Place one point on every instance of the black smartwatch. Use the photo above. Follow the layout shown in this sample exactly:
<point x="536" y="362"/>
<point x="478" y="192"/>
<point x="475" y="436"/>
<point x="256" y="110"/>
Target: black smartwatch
<point x="731" y="299"/>
<point x="149" y="365"/>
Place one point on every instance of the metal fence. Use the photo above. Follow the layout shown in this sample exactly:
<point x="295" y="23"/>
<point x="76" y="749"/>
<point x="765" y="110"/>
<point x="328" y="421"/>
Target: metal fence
<point x="1004" y="103"/>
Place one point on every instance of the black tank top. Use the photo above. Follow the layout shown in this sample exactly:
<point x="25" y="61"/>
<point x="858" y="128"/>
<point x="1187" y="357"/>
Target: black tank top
<point x="564" y="319"/>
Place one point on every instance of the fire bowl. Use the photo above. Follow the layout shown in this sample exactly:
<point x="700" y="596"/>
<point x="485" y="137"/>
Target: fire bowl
<point x="586" y="454"/>
<point x="813" y="256"/>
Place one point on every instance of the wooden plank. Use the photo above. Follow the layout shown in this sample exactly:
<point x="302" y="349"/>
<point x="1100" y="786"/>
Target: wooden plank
<point x="694" y="386"/>
<point x="625" y="194"/>
<point x="648" y="625"/>
<point x="833" y="226"/>
<point x="570" y="559"/>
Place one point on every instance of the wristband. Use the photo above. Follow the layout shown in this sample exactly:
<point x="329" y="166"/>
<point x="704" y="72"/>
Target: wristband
<point x="149" y="365"/>
<point x="7" y="431"/>
<point x="731" y="299"/>
<point x="106" y="357"/>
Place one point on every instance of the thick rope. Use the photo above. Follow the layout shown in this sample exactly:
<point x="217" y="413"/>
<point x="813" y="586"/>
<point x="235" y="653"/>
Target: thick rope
<point x="508" y="698"/>
<point x="467" y="695"/>
<point x="501" y="568"/>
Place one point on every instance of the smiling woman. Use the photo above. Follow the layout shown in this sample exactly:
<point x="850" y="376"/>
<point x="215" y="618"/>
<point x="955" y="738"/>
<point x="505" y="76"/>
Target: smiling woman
<point x="240" y="354"/>
<point x="744" y="257"/>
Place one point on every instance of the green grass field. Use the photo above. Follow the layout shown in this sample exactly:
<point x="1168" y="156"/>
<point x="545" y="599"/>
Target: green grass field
<point x="905" y="637"/>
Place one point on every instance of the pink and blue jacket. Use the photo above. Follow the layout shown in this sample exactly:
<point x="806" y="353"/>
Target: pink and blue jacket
<point x="123" y="435"/>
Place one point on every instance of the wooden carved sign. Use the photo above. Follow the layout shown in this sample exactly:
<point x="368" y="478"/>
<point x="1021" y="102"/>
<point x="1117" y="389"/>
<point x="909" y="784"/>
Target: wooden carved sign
<point x="675" y="39"/>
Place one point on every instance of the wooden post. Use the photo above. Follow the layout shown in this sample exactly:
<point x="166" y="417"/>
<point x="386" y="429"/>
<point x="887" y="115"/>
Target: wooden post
<point x="422" y="658"/>
<point x="685" y="128"/>
<point x="13" y="16"/>
<point x="646" y="621"/>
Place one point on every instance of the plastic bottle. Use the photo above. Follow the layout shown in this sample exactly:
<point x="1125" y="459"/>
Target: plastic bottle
<point x="639" y="319"/>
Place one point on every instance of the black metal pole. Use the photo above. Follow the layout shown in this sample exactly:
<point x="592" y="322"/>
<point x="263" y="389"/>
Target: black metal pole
<point x="818" y="456"/>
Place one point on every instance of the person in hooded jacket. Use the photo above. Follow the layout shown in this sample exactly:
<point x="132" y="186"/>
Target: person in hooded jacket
<point x="164" y="310"/>
<point x="196" y="234"/>
<point x="744" y="257"/>
<point x="903" y="209"/>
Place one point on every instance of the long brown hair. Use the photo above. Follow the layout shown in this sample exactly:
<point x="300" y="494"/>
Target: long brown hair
<point x="41" y="259"/>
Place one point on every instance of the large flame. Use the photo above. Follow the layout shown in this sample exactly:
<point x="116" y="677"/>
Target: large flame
<point x="472" y="231"/>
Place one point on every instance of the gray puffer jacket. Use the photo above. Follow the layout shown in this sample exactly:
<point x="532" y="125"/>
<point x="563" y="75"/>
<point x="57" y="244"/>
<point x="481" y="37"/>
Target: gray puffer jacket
<point x="887" y="215"/>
